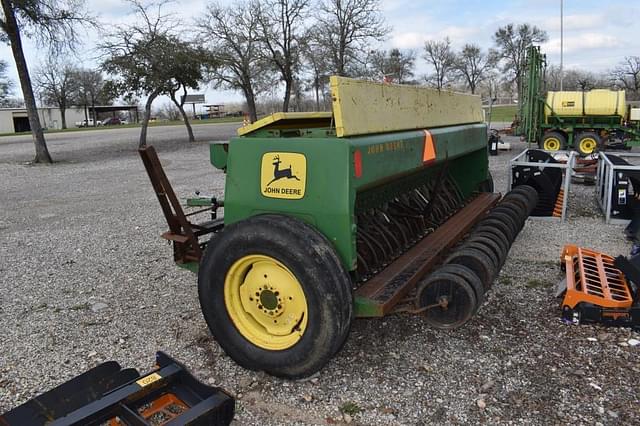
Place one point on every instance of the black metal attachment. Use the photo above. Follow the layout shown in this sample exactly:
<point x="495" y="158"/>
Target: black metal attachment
<point x="110" y="395"/>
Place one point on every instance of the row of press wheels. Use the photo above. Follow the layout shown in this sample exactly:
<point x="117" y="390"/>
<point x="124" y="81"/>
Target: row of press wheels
<point x="450" y="296"/>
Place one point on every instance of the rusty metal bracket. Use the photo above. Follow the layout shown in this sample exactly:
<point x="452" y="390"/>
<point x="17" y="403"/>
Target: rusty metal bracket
<point x="182" y="233"/>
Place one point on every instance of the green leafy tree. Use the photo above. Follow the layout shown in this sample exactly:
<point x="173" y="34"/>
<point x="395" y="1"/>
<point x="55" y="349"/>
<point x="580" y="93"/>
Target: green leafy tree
<point x="148" y="59"/>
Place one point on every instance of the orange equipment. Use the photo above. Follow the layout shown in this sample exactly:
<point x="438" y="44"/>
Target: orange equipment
<point x="596" y="288"/>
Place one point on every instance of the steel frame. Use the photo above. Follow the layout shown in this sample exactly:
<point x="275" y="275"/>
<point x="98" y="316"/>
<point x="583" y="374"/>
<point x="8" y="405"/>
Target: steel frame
<point x="604" y="183"/>
<point x="520" y="160"/>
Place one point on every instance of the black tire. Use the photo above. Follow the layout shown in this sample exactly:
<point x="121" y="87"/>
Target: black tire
<point x="476" y="260"/>
<point x="512" y="212"/>
<point x="491" y="254"/>
<point x="506" y="218"/>
<point x="517" y="205"/>
<point x="470" y="277"/>
<point x="496" y="236"/>
<point x="521" y="199"/>
<point x="500" y="225"/>
<point x="497" y="249"/>
<point x="461" y="298"/>
<point x="587" y="143"/>
<point x="553" y="141"/>
<point x="318" y="272"/>
<point x="528" y="191"/>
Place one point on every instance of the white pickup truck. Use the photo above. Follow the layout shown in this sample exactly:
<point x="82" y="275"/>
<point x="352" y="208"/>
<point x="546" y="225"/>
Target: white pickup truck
<point x="87" y="123"/>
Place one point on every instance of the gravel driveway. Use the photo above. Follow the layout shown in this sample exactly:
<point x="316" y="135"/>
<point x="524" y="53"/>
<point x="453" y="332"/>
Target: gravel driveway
<point x="84" y="278"/>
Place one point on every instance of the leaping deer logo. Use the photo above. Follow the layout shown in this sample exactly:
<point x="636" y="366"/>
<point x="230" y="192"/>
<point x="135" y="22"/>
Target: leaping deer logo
<point x="279" y="174"/>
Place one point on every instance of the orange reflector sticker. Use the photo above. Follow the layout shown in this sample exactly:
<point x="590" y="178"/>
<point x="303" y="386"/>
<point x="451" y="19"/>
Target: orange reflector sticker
<point x="429" y="148"/>
<point x="357" y="163"/>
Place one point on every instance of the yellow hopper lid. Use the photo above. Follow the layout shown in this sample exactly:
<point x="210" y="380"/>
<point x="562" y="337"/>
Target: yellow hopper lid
<point x="288" y="120"/>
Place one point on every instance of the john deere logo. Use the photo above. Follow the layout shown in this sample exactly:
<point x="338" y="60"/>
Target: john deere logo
<point x="283" y="175"/>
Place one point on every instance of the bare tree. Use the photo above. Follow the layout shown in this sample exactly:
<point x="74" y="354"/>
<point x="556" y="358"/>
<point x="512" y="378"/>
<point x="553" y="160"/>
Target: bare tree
<point x="169" y="112"/>
<point x="56" y="83"/>
<point x="627" y="75"/>
<point x="234" y="38"/>
<point x="472" y="65"/>
<point x="575" y="79"/>
<point x="90" y="90"/>
<point x="51" y="23"/>
<point x="511" y="48"/>
<point x="281" y="25"/>
<point x="315" y="60"/>
<point x="346" y="27"/>
<point x="440" y="56"/>
<point x="393" y="66"/>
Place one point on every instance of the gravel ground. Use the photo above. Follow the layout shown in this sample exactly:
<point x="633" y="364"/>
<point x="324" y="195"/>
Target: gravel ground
<point x="84" y="278"/>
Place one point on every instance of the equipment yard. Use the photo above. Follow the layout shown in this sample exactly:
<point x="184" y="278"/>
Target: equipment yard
<point x="85" y="277"/>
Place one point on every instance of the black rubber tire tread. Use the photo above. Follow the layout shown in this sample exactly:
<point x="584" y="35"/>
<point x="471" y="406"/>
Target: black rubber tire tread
<point x="530" y="192"/>
<point x="497" y="237"/>
<point x="497" y="223"/>
<point x="491" y="254"/>
<point x="507" y="220"/>
<point x="521" y="198"/>
<point x="497" y="249"/>
<point x="471" y="278"/>
<point x="512" y="212"/>
<point x="314" y="262"/>
<point x="450" y="279"/>
<point x="517" y="205"/>
<point x="476" y="260"/>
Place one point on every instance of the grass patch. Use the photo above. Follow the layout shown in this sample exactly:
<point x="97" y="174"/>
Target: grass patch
<point x="350" y="408"/>
<point x="534" y="283"/>
<point x="502" y="113"/>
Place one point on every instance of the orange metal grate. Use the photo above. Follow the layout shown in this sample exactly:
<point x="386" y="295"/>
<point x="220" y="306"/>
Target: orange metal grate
<point x="592" y="278"/>
<point x="557" y="209"/>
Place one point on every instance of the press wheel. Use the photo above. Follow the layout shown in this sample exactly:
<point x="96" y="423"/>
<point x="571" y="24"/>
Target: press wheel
<point x="470" y="277"/>
<point x="476" y="260"/>
<point x="448" y="300"/>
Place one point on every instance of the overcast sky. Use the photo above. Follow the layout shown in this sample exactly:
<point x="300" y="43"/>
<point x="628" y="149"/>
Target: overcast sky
<point x="598" y="34"/>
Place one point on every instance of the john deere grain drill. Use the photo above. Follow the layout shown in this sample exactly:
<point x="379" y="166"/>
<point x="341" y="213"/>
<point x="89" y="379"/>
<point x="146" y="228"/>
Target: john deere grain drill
<point x="382" y="206"/>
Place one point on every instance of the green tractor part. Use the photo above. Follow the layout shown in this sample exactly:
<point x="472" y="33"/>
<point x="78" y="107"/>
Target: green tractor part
<point x="585" y="121"/>
<point x="328" y="216"/>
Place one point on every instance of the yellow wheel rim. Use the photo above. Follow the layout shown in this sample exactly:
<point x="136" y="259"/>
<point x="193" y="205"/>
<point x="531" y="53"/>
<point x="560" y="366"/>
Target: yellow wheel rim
<point x="588" y="145"/>
<point x="551" y="144"/>
<point x="265" y="302"/>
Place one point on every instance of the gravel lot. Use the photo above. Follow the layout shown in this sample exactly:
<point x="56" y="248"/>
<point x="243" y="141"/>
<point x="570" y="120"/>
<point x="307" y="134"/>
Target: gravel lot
<point x="84" y="278"/>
